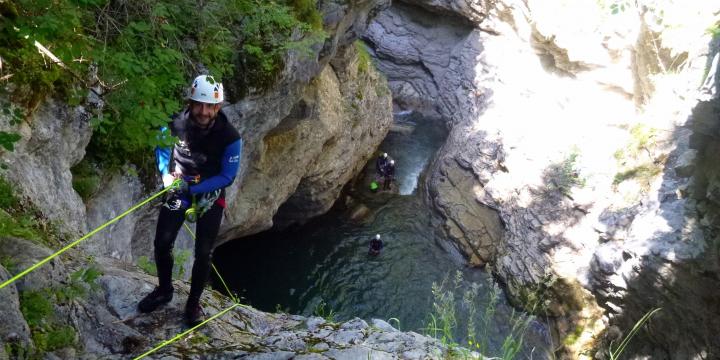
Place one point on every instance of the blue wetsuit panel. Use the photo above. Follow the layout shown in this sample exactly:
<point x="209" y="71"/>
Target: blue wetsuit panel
<point x="162" y="154"/>
<point x="229" y="166"/>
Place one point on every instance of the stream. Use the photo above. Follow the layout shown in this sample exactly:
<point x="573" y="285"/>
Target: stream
<point x="323" y="267"/>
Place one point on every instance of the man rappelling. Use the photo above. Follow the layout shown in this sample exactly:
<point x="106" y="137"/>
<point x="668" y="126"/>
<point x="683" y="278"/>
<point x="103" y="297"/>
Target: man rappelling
<point x="203" y="162"/>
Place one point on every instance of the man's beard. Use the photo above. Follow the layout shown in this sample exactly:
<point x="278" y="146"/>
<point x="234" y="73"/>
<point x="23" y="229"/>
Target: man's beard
<point x="195" y="123"/>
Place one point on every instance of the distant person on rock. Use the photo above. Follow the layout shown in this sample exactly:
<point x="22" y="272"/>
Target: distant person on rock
<point x="205" y="161"/>
<point x="388" y="174"/>
<point x="376" y="244"/>
<point x="380" y="164"/>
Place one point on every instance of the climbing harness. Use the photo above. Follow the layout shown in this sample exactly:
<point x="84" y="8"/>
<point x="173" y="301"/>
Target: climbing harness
<point x="192" y="213"/>
<point x="174" y="185"/>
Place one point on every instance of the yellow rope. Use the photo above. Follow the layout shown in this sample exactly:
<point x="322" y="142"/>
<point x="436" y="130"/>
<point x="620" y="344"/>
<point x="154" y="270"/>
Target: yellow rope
<point x="235" y="300"/>
<point x="179" y="336"/>
<point x="74" y="243"/>
<point x="101" y="227"/>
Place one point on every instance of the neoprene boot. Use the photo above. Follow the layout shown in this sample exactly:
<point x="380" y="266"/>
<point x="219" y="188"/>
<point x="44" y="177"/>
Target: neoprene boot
<point x="157" y="297"/>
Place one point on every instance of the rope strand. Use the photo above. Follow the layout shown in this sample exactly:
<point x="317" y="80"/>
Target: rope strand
<point x="74" y="243"/>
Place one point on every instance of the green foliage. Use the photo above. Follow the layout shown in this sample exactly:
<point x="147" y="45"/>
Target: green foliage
<point x="267" y="34"/>
<point x="36" y="308"/>
<point x="306" y="11"/>
<point x="644" y="174"/>
<point x="538" y="298"/>
<point x="364" y="60"/>
<point x="22" y="226"/>
<point x="147" y="266"/>
<point x="7" y="199"/>
<point x="8" y="140"/>
<point x="619" y="6"/>
<point x="146" y="51"/>
<point x="643" y="138"/>
<point x="58" y="26"/>
<point x="637" y="160"/>
<point x="86" y="179"/>
<point x="198" y="338"/>
<point x="23" y="220"/>
<point x="714" y="30"/>
<point x="81" y="283"/>
<point x="15" y="115"/>
<point x="512" y="344"/>
<point x="574" y="336"/>
<point x="54" y="338"/>
<point x="449" y="313"/>
<point x="8" y="263"/>
<point x="181" y="256"/>
<point x="323" y="310"/>
<point x="615" y="354"/>
<point x="492" y="299"/>
<point x="566" y="174"/>
<point x="443" y="321"/>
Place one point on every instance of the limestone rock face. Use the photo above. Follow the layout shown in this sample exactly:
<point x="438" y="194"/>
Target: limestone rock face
<point x="303" y="140"/>
<point x="53" y="140"/>
<point x="304" y="161"/>
<point x="429" y="61"/>
<point x="115" y="240"/>
<point x="356" y="122"/>
<point x="22" y="254"/>
<point x="474" y="11"/>
<point x="573" y="224"/>
<point x="107" y="324"/>
<point x="14" y="328"/>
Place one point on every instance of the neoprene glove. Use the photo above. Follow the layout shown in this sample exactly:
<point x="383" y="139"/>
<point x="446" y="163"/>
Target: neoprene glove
<point x="204" y="203"/>
<point x="183" y="187"/>
<point x="167" y="180"/>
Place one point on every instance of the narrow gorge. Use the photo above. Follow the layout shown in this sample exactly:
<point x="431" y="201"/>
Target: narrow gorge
<point x="558" y="158"/>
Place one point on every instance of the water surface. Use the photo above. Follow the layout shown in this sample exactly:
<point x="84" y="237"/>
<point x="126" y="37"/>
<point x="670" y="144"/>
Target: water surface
<point x="324" y="265"/>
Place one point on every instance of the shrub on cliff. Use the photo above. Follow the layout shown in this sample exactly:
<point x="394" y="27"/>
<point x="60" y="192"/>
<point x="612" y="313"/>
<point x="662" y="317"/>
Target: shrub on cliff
<point x="143" y="53"/>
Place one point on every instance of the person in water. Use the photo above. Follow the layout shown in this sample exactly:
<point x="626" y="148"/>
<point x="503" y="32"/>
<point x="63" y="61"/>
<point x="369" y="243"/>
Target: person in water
<point x="376" y="244"/>
<point x="388" y="174"/>
<point x="380" y="164"/>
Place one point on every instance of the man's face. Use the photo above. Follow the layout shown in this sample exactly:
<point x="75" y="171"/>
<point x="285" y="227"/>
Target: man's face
<point x="203" y="113"/>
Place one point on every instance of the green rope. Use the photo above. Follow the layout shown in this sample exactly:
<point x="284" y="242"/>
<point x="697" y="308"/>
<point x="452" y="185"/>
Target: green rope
<point x="72" y="244"/>
<point x="178" y="336"/>
<point x="235" y="300"/>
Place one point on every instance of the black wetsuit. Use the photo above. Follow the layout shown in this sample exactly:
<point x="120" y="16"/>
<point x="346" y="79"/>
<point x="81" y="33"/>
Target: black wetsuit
<point x="389" y="175"/>
<point x="213" y="154"/>
<point x="376" y="245"/>
<point x="380" y="164"/>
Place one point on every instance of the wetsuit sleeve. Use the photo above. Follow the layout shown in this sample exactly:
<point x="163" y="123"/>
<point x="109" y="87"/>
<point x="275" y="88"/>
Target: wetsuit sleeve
<point x="229" y="166"/>
<point x="162" y="154"/>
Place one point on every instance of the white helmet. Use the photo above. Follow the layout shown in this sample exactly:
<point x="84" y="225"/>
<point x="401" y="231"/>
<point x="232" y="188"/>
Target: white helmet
<point x="385" y="155"/>
<point x="205" y="89"/>
<point x="392" y="162"/>
<point x="377" y="236"/>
